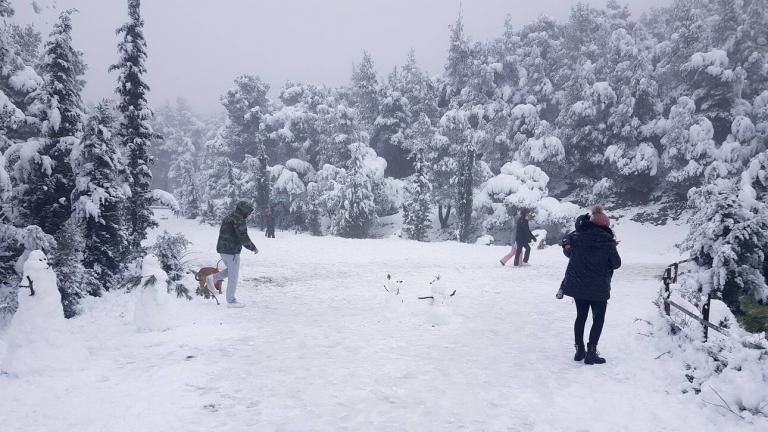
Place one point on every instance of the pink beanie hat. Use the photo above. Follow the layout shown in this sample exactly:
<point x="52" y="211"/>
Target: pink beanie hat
<point x="599" y="217"/>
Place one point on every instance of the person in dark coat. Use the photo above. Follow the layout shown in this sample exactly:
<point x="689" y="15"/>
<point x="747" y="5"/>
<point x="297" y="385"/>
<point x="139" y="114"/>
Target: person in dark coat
<point x="593" y="257"/>
<point x="233" y="237"/>
<point x="523" y="238"/>
<point x="269" y="217"/>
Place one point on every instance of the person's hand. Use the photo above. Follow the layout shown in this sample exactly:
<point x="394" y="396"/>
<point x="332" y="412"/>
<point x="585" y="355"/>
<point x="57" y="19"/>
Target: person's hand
<point x="616" y="243"/>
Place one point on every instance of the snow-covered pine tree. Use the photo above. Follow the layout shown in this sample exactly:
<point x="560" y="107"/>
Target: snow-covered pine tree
<point x="464" y="189"/>
<point x="171" y="249"/>
<point x="417" y="209"/>
<point x="256" y="185"/>
<point x="73" y="279"/>
<point x="6" y="10"/>
<point x="729" y="238"/>
<point x="312" y="209"/>
<point x="135" y="130"/>
<point x="247" y="106"/>
<point x="45" y="201"/>
<point x="98" y="200"/>
<point x="357" y="210"/>
<point x="263" y="186"/>
<point x="416" y="86"/>
<point x="458" y="69"/>
<point x="365" y="91"/>
<point x="188" y="193"/>
<point x="338" y="128"/>
<point x="388" y="136"/>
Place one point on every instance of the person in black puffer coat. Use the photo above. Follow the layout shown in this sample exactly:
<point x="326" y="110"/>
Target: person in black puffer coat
<point x="523" y="238"/>
<point x="592" y="259"/>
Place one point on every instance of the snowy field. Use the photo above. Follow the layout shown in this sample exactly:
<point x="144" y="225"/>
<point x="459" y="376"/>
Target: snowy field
<point x="323" y="347"/>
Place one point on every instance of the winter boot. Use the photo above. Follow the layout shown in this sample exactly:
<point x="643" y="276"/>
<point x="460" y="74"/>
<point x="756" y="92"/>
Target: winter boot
<point x="592" y="356"/>
<point x="580" y="353"/>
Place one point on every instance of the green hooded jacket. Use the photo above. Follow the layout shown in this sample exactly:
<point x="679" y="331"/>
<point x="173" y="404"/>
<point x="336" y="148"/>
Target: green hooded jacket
<point x="233" y="235"/>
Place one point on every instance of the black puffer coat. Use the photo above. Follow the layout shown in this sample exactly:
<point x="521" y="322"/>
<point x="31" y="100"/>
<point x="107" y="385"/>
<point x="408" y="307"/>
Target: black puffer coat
<point x="523" y="234"/>
<point x="233" y="234"/>
<point x="593" y="258"/>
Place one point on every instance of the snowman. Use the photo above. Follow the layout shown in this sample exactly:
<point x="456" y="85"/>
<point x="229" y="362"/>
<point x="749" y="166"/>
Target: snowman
<point x="154" y="309"/>
<point x="441" y="294"/>
<point x="37" y="337"/>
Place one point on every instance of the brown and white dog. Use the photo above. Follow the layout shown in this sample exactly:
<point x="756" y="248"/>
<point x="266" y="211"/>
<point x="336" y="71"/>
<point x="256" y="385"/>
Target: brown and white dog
<point x="200" y="277"/>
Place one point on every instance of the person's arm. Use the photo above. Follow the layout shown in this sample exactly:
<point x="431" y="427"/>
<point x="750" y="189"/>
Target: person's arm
<point x="242" y="234"/>
<point x="615" y="258"/>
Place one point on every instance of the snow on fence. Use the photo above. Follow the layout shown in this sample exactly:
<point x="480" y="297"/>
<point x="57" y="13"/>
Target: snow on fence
<point x="670" y="277"/>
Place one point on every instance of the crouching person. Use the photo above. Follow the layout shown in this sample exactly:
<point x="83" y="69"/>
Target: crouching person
<point x="592" y="259"/>
<point x="233" y="236"/>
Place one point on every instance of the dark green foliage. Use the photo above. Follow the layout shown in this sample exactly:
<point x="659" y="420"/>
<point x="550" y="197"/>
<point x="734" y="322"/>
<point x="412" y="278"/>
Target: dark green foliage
<point x="135" y="131"/>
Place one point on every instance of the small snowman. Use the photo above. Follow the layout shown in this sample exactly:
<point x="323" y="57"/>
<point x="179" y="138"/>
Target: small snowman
<point x="439" y="313"/>
<point x="154" y="309"/>
<point x="37" y="338"/>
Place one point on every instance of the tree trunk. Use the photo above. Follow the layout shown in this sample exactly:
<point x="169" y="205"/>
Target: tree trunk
<point x="443" y="218"/>
<point x="465" y="226"/>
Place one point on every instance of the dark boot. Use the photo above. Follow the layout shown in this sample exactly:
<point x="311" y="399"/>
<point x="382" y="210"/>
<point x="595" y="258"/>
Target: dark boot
<point x="580" y="353"/>
<point x="592" y="356"/>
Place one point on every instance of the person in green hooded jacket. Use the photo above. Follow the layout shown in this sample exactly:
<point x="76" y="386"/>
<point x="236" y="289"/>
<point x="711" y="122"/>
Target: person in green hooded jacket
<point x="233" y="237"/>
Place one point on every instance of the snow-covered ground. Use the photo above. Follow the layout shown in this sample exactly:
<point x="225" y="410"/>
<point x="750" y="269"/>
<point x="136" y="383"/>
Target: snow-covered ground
<point x="322" y="346"/>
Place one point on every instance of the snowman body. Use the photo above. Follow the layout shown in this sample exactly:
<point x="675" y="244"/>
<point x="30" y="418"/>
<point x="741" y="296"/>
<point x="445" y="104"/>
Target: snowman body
<point x="37" y="337"/>
<point x="154" y="309"/>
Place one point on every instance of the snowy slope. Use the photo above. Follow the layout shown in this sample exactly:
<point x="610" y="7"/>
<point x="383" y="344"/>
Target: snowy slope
<point x="323" y="347"/>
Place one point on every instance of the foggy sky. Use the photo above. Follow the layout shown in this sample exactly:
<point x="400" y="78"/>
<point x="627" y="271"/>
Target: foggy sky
<point x="197" y="47"/>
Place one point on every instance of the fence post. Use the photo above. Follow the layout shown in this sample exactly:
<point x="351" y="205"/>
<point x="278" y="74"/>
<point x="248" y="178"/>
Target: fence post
<point x="705" y="315"/>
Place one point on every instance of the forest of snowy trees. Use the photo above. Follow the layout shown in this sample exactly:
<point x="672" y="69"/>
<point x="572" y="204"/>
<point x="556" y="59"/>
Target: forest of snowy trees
<point x="669" y="108"/>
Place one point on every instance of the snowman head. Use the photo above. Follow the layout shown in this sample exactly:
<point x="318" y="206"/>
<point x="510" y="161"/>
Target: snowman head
<point x="36" y="262"/>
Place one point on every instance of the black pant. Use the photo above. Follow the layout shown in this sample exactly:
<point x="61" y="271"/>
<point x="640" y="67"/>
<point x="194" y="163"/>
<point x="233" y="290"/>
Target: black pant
<point x="519" y="252"/>
<point x="598" y="319"/>
<point x="271" y="231"/>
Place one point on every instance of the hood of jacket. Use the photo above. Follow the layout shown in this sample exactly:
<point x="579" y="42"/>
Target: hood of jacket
<point x="243" y="209"/>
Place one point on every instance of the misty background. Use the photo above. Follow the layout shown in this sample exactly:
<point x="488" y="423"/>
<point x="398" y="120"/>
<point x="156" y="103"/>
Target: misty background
<point x="197" y="47"/>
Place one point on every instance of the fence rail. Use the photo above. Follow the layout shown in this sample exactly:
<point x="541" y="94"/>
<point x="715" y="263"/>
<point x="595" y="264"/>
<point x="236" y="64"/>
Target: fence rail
<point x="669" y="277"/>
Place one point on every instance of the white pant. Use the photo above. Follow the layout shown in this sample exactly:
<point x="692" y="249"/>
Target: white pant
<point x="231" y="273"/>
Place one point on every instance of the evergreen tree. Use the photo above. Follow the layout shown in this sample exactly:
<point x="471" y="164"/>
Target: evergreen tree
<point x="99" y="200"/>
<point x="458" y="69"/>
<point x="45" y="201"/>
<point x="135" y="130"/>
<point x="247" y="106"/>
<point x="729" y="237"/>
<point x="188" y="193"/>
<point x="464" y="189"/>
<point x="357" y="210"/>
<point x="73" y="279"/>
<point x="388" y="137"/>
<point x="417" y="209"/>
<point x="415" y="85"/>
<point x="365" y="91"/>
<point x="6" y="10"/>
